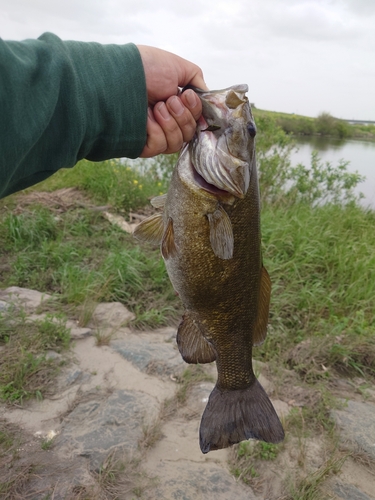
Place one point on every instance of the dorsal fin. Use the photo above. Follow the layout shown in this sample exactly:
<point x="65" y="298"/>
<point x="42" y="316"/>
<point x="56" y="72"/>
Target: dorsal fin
<point x="150" y="229"/>
<point x="260" y="329"/>
<point x="159" y="201"/>
<point x="194" y="348"/>
<point x="168" y="246"/>
<point x="221" y="233"/>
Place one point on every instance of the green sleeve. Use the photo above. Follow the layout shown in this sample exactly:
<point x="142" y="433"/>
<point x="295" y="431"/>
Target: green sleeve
<point x="64" y="101"/>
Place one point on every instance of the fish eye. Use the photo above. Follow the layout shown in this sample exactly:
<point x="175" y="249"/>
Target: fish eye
<point x="251" y="129"/>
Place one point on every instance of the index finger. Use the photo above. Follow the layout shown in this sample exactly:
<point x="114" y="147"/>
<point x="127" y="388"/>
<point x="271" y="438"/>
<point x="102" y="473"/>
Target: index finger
<point x="198" y="81"/>
<point x="192" y="75"/>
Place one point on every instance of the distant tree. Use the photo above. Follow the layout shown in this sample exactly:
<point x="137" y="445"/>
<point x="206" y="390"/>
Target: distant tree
<point x="342" y="129"/>
<point x="325" y="124"/>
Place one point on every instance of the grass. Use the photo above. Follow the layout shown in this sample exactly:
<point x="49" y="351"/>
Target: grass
<point x="322" y="265"/>
<point x="311" y="487"/>
<point x="84" y="259"/>
<point x="25" y="370"/>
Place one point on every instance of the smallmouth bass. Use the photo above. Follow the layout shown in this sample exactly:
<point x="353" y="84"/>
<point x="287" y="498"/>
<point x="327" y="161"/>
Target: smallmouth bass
<point x="209" y="234"/>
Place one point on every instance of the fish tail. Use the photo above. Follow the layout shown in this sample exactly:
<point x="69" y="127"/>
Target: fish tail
<point x="234" y="416"/>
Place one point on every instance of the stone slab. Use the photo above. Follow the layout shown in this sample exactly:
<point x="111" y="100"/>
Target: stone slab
<point x="357" y="424"/>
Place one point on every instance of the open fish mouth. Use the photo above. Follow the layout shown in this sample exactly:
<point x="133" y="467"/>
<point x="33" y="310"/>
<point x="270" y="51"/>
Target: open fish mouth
<point x="216" y="169"/>
<point x="223" y="142"/>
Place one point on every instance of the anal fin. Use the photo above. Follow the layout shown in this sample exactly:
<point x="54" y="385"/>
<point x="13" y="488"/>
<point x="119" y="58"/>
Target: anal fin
<point x="194" y="348"/>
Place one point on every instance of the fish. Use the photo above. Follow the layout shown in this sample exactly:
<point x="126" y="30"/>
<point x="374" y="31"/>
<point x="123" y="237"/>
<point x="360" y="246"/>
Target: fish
<point x="209" y="236"/>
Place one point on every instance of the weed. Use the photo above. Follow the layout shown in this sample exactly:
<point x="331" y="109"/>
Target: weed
<point x="24" y="369"/>
<point x="151" y="433"/>
<point x="46" y="444"/>
<point x="242" y="462"/>
<point x="103" y="338"/>
<point x="310" y="487"/>
<point x="122" y="475"/>
<point x="191" y="376"/>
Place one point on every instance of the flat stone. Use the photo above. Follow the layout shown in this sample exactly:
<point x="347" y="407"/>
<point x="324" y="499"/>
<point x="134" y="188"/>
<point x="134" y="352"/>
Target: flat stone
<point x="111" y="315"/>
<point x="150" y="357"/>
<point x="29" y="299"/>
<point x="350" y="492"/>
<point x="282" y="408"/>
<point x="77" y="332"/>
<point x="95" y="428"/>
<point x="53" y="355"/>
<point x="357" y="423"/>
<point x="187" y="480"/>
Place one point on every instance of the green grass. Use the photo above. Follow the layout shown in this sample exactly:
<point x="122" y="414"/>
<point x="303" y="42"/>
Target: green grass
<point x="25" y="371"/>
<point x="80" y="256"/>
<point x="322" y="265"/>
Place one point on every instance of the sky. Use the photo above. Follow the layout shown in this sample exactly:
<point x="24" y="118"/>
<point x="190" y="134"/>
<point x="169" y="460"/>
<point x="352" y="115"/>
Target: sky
<point x="297" y="56"/>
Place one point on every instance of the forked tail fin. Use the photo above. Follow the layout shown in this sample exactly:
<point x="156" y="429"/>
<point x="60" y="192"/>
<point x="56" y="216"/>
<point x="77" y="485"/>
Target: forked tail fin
<point x="233" y="416"/>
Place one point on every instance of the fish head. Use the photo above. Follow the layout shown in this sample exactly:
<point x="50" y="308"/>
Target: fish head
<point x="223" y="148"/>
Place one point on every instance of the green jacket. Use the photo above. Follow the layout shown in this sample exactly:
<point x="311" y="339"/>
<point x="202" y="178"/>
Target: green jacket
<point x="64" y="101"/>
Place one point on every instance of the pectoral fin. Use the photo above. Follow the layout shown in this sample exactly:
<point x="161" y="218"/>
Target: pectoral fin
<point x="168" y="245"/>
<point x="260" y="330"/>
<point x="194" y="348"/>
<point x="150" y="229"/>
<point x="159" y="201"/>
<point x="221" y="233"/>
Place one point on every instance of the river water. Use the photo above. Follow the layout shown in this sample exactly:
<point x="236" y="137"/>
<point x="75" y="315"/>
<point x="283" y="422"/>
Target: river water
<point x="360" y="154"/>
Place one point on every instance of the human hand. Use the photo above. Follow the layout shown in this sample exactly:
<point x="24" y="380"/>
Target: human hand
<point x="171" y="117"/>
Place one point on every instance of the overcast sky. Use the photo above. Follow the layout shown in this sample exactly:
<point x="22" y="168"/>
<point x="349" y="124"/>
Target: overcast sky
<point x="297" y="56"/>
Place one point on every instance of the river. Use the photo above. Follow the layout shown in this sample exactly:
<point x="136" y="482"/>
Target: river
<point x="360" y="154"/>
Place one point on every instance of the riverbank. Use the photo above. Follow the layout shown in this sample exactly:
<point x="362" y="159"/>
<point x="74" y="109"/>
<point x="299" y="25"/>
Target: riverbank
<point x="324" y="125"/>
<point x="96" y="404"/>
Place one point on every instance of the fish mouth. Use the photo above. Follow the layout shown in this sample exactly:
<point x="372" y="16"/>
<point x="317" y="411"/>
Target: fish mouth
<point x="215" y="169"/>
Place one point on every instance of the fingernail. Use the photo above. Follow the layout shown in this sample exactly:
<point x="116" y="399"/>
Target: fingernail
<point x="176" y="106"/>
<point x="150" y="114"/>
<point x="162" y="108"/>
<point x="191" y="97"/>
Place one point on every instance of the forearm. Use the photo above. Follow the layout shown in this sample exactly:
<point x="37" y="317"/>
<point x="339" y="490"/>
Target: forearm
<point x="64" y="101"/>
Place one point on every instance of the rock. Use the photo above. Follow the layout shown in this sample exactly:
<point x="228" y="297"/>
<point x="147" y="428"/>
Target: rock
<point x="357" y="422"/>
<point x="53" y="355"/>
<point x="73" y="375"/>
<point x="150" y="357"/>
<point x="350" y="492"/>
<point x="282" y="408"/>
<point x="77" y="332"/>
<point x="111" y="315"/>
<point x="3" y="306"/>
<point x="96" y="427"/>
<point x="29" y="299"/>
<point x="187" y="480"/>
